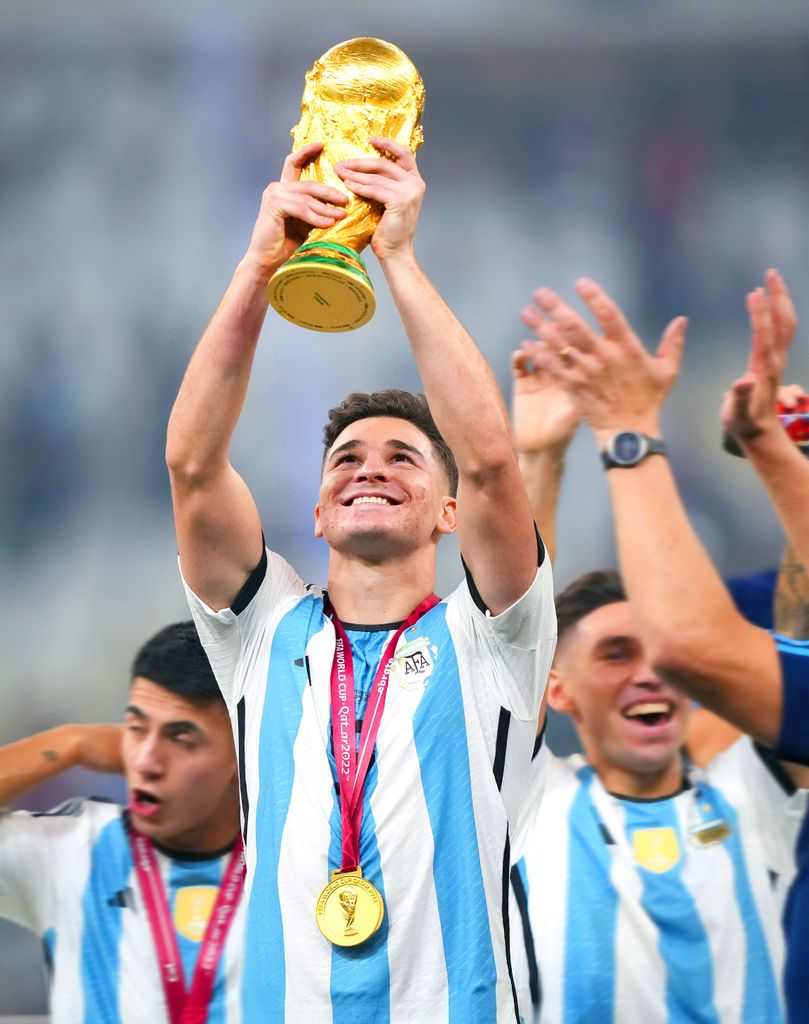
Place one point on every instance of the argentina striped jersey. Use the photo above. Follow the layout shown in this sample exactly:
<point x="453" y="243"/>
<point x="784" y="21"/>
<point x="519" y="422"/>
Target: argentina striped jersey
<point x="443" y="790"/>
<point x="68" y="876"/>
<point x="658" y="910"/>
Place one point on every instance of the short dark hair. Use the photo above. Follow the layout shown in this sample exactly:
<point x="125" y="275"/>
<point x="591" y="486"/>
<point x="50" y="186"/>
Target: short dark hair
<point x="584" y="595"/>
<point x="403" y="405"/>
<point x="175" y="659"/>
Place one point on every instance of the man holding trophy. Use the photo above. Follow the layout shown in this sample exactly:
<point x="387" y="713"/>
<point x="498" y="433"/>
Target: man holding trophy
<point x="383" y="733"/>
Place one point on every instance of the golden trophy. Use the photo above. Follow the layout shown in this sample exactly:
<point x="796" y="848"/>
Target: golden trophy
<point x="359" y="88"/>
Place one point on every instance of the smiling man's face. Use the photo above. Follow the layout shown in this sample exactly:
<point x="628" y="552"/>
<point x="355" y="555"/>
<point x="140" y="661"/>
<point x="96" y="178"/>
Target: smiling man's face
<point x="625" y="715"/>
<point x="383" y="491"/>
<point x="180" y="769"/>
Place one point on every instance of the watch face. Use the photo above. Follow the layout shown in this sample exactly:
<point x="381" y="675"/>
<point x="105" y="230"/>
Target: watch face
<point x="627" y="447"/>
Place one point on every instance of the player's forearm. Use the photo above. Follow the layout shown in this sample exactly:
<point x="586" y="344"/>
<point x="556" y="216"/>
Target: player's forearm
<point x="791" y="604"/>
<point x="784" y="471"/>
<point x="460" y="388"/>
<point x="667" y="572"/>
<point x="213" y="390"/>
<point x="35" y="760"/>
<point x="692" y="631"/>
<point x="542" y="474"/>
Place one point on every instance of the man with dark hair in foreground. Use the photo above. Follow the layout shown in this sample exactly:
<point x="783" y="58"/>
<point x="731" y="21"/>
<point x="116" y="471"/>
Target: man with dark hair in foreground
<point x="414" y="827"/>
<point x="138" y="909"/>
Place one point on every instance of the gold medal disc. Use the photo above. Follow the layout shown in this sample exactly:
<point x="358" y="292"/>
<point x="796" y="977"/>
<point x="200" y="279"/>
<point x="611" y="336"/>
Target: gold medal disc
<point x="349" y="910"/>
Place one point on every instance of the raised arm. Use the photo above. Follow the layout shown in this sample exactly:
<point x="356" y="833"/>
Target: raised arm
<point x="494" y="521"/>
<point x="544" y="421"/>
<point x="32" y="761"/>
<point x="694" y="635"/>
<point x="218" y="526"/>
<point x="750" y="414"/>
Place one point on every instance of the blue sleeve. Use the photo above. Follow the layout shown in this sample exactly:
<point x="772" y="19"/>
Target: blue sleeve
<point x="793" y="742"/>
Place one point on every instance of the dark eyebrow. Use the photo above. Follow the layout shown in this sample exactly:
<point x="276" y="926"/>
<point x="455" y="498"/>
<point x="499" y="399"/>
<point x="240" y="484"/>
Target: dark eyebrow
<point x="184" y="727"/>
<point x="401" y="446"/>
<point x="617" y="638"/>
<point x="180" y="726"/>
<point x="346" y="446"/>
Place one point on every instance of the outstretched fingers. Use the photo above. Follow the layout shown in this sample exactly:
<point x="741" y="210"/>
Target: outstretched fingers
<point x="607" y="312"/>
<point x="763" y="354"/>
<point x="670" y="349"/>
<point x="785" y="320"/>
<point x="564" y="323"/>
<point x="532" y="318"/>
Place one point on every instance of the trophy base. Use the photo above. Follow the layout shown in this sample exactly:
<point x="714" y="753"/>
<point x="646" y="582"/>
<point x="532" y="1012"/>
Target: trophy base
<point x="322" y="292"/>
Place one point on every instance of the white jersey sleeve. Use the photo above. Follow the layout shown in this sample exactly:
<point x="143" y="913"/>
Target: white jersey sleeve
<point x="233" y="637"/>
<point x="38" y="850"/>
<point x="517" y="645"/>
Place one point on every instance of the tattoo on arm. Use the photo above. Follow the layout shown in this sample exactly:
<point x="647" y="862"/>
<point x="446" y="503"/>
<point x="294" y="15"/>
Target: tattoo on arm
<point x="50" y="755"/>
<point x="792" y="598"/>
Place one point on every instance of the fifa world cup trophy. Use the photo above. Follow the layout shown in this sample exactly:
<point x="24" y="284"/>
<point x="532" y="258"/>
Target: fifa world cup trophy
<point x="348" y="899"/>
<point x="358" y="89"/>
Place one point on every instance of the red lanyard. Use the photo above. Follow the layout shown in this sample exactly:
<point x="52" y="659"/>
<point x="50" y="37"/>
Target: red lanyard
<point x="352" y="767"/>
<point x="186" y="1006"/>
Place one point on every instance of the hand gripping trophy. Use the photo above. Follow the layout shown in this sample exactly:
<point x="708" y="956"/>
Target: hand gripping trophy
<point x="358" y="89"/>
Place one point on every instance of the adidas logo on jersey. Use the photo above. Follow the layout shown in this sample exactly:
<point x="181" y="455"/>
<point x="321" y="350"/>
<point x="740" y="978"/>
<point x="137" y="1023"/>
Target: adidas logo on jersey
<point x="122" y="898"/>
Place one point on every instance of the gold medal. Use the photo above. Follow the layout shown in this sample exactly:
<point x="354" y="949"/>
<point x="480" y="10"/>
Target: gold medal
<point x="349" y="910"/>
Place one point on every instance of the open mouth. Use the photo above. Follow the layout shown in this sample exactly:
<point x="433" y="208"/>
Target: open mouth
<point x="144" y="803"/>
<point x="650" y="713"/>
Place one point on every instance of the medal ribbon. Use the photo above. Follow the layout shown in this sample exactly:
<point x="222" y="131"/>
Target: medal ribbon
<point x="352" y="766"/>
<point x="186" y="1007"/>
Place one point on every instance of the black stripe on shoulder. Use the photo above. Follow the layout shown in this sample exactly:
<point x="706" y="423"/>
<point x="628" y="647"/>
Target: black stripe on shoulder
<point x="540" y="546"/>
<point x="251" y="584"/>
<point x="473" y="590"/>
<point x="73" y="808"/>
<point x="521" y="897"/>
<point x="775" y="767"/>
<point x="506" y="925"/>
<point x="500" y="746"/>
<point x="241" y="727"/>
<point x="540" y="739"/>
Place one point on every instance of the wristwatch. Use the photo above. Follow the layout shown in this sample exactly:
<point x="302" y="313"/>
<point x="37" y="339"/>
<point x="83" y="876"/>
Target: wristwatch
<point x="628" y="448"/>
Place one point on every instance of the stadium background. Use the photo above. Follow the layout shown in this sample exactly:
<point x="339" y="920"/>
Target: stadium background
<point x="659" y="147"/>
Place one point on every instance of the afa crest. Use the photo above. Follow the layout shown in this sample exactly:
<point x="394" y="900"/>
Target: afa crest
<point x="192" y="908"/>
<point x="414" y="663"/>
<point x="656" y="849"/>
